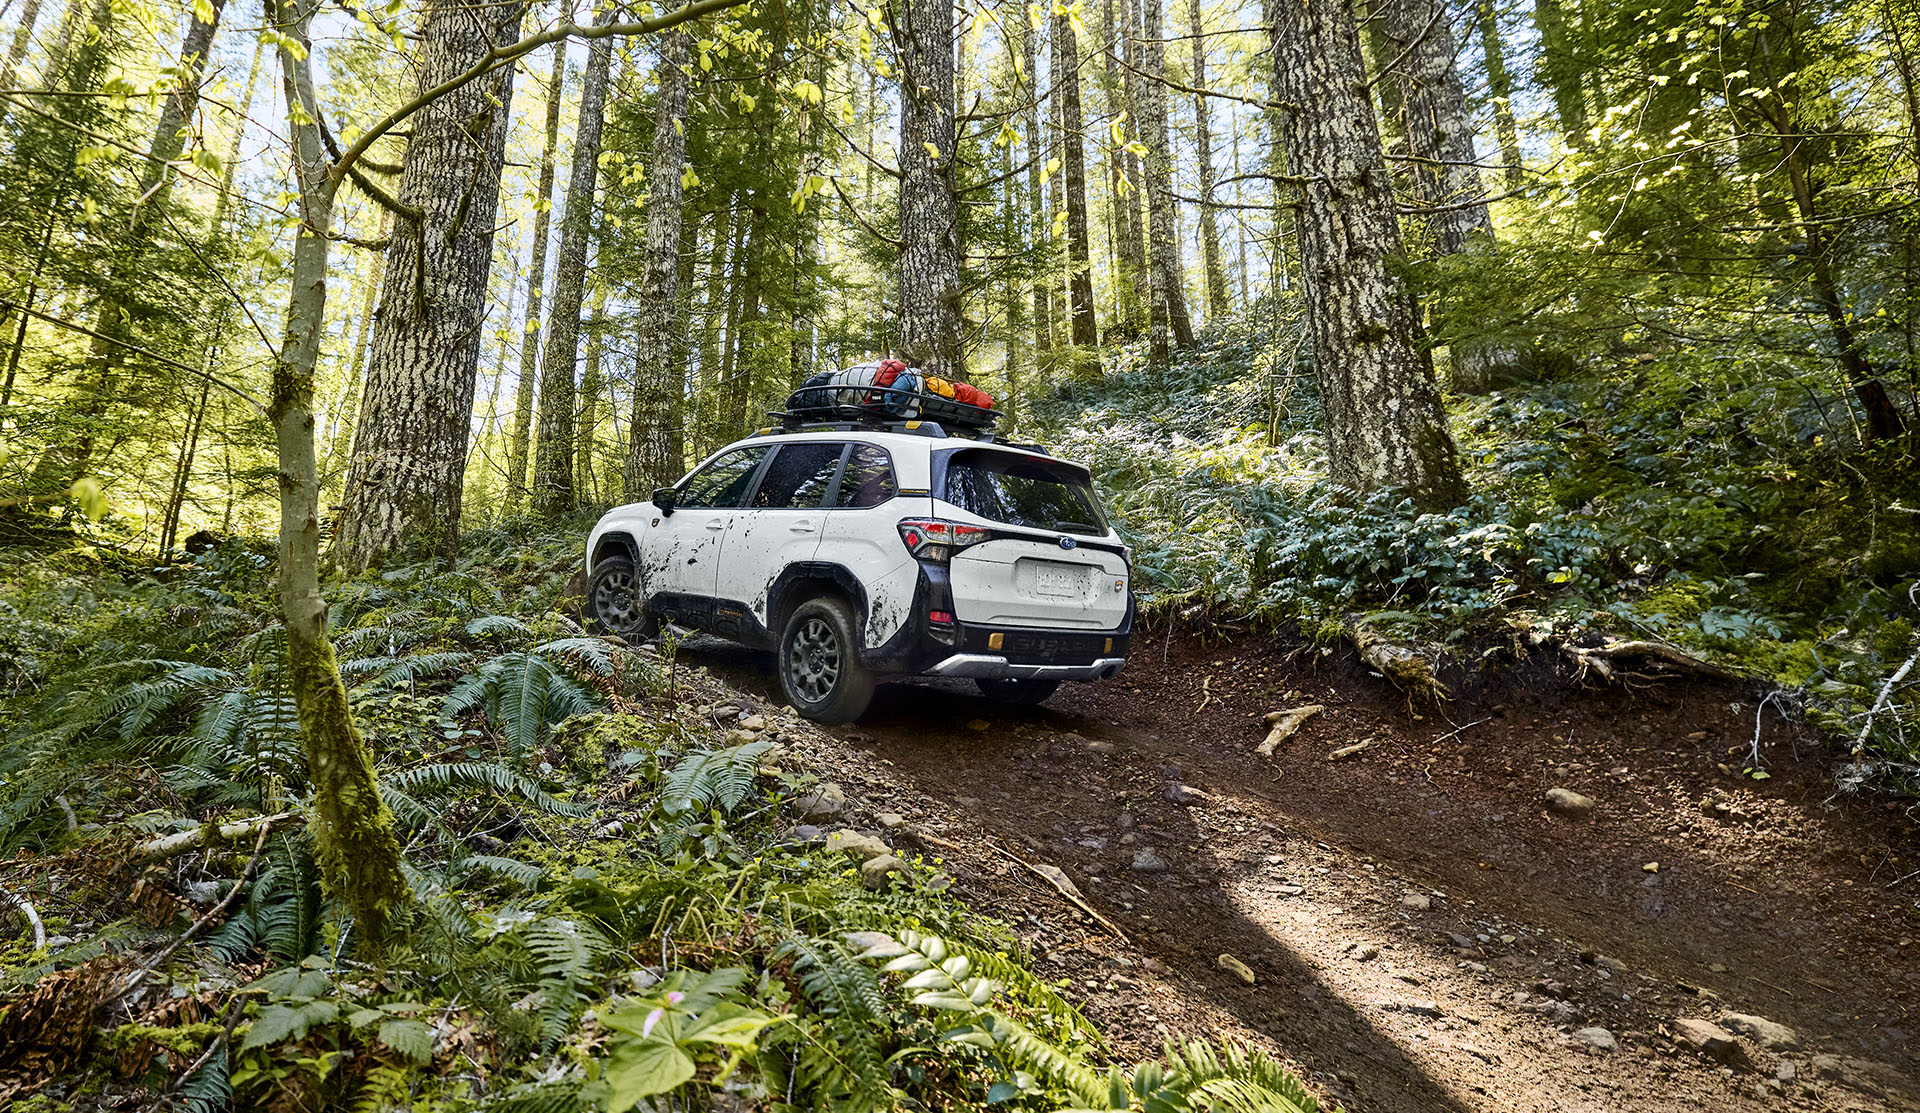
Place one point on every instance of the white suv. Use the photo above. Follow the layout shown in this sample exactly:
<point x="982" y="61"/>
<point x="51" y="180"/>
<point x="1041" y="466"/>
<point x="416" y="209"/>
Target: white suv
<point x="860" y="551"/>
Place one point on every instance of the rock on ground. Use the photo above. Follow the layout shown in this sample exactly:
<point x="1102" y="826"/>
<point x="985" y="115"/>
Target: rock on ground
<point x="864" y="847"/>
<point x="1567" y="802"/>
<point x="1709" y="1039"/>
<point x="1769" y="1034"/>
<point x="823" y="801"/>
<point x="878" y="873"/>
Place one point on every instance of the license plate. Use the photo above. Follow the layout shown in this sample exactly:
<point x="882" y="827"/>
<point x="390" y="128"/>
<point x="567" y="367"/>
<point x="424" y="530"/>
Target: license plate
<point x="1055" y="580"/>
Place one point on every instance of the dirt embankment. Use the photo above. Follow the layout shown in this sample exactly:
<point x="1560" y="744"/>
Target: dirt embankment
<point x="1422" y="932"/>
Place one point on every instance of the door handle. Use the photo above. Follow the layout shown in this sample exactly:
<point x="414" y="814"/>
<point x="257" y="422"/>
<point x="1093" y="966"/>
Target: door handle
<point x="802" y="527"/>
<point x="716" y="525"/>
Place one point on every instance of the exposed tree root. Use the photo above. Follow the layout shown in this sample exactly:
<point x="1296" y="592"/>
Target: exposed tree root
<point x="1602" y="660"/>
<point x="1284" y="723"/>
<point x="1409" y="670"/>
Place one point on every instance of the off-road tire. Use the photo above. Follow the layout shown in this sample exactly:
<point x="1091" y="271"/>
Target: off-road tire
<point x="819" y="664"/>
<point x="1018" y="692"/>
<point x="614" y="604"/>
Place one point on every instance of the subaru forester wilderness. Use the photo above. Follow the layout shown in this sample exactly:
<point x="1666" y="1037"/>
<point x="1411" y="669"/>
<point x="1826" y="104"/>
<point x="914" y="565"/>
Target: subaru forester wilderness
<point x="868" y="549"/>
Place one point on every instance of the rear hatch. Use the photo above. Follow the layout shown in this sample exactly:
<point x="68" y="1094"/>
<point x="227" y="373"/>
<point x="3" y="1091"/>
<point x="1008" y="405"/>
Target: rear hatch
<point x="1049" y="561"/>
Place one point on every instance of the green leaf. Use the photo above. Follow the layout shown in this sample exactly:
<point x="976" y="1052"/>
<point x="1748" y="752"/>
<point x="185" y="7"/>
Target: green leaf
<point x="726" y="1023"/>
<point x="642" y="1068"/>
<point x="280" y="1021"/>
<point x="410" y="1038"/>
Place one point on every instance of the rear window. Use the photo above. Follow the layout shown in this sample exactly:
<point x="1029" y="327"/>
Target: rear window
<point x="1022" y="491"/>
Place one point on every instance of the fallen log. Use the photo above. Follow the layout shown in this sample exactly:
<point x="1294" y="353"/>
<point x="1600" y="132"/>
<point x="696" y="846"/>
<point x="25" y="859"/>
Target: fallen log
<point x="169" y="846"/>
<point x="1284" y="724"/>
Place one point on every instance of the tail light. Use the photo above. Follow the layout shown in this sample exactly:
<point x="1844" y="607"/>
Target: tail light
<point x="936" y="538"/>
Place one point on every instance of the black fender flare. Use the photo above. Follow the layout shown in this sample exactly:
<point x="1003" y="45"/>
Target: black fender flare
<point x="813" y="571"/>
<point x="614" y="544"/>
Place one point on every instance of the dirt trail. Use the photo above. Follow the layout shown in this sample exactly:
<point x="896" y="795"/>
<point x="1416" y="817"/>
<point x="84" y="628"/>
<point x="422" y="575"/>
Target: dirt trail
<point x="1424" y="935"/>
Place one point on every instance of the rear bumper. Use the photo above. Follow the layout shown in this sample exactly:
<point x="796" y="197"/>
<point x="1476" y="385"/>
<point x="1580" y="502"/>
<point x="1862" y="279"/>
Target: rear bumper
<point x="964" y="649"/>
<point x="984" y="666"/>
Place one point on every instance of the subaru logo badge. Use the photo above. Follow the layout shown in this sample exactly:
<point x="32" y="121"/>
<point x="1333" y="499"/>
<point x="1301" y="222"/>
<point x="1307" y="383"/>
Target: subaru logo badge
<point x="1068" y="542"/>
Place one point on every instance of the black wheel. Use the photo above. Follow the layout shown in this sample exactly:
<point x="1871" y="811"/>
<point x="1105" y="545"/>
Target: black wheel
<point x="614" y="602"/>
<point x="1018" y="691"/>
<point x="820" y="669"/>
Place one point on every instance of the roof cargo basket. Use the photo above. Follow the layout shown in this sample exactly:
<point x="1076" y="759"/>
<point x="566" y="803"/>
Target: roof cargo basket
<point x="885" y="394"/>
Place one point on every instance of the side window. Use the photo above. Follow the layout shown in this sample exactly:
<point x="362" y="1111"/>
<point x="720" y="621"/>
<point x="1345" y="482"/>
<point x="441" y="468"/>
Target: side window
<point x="723" y="483"/>
<point x="869" y="478"/>
<point x="799" y="476"/>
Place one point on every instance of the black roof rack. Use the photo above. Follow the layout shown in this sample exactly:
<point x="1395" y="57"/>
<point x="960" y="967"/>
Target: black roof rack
<point x="789" y="422"/>
<point x="887" y="405"/>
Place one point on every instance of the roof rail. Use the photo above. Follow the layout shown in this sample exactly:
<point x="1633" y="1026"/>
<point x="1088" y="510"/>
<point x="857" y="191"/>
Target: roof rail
<point x="789" y="422"/>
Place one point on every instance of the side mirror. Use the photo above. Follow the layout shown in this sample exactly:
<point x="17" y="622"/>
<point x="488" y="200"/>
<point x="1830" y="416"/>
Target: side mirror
<point x="665" y="498"/>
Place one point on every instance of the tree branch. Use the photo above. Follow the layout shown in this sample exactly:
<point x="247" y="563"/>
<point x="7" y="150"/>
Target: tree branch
<point x="216" y="380"/>
<point x="506" y="55"/>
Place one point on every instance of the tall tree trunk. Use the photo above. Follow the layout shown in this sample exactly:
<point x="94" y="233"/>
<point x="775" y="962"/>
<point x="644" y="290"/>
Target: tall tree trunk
<point x="1440" y="139"/>
<point x="1126" y="281"/>
<point x="1561" y="69"/>
<point x="346" y="413"/>
<point x="1239" y="219"/>
<point x="1160" y="245"/>
<point x="730" y="290"/>
<point x="1499" y="90"/>
<point x="659" y="375"/>
<point x="553" y="491"/>
<point x="746" y="354"/>
<point x="408" y="472"/>
<point x="1036" y="188"/>
<point x="17" y="50"/>
<point x="352" y="829"/>
<point x="929" y="208"/>
<point x="1135" y="240"/>
<point x="1211" y="264"/>
<point x="1066" y="84"/>
<point x="529" y="372"/>
<point x="1178" y="316"/>
<point x="1782" y="114"/>
<point x="183" y="465"/>
<point x="586" y="486"/>
<point x="230" y="165"/>
<point x="65" y="462"/>
<point x="1384" y="424"/>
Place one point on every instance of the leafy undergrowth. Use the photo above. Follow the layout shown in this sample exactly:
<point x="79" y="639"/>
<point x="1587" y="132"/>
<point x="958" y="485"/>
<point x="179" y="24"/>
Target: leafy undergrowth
<point x="612" y="909"/>
<point x="1705" y="501"/>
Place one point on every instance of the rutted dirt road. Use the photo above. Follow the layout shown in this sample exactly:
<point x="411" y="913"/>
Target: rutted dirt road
<point x="1422" y="932"/>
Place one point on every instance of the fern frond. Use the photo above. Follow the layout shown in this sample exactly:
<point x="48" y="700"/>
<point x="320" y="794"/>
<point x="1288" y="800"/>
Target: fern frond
<point x="597" y="655"/>
<point x="207" y="1090"/>
<point x="406" y="669"/>
<point x="513" y="869"/>
<point x="1235" y="1079"/>
<point x="714" y="778"/>
<point x="482" y="775"/>
<point x="846" y="1062"/>
<point x="495" y="625"/>
<point x="567" y="952"/>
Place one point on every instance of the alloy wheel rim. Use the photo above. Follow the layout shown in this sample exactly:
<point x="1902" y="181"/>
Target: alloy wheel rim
<point x="813" y="660"/>
<point x="614" y="602"/>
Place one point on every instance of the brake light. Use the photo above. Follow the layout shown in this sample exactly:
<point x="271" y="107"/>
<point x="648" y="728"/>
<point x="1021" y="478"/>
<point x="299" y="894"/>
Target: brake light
<point x="943" y="618"/>
<point x="936" y="538"/>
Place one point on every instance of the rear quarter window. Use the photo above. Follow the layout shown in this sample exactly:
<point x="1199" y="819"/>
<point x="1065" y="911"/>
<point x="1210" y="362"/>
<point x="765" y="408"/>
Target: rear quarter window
<point x="1021" y="490"/>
